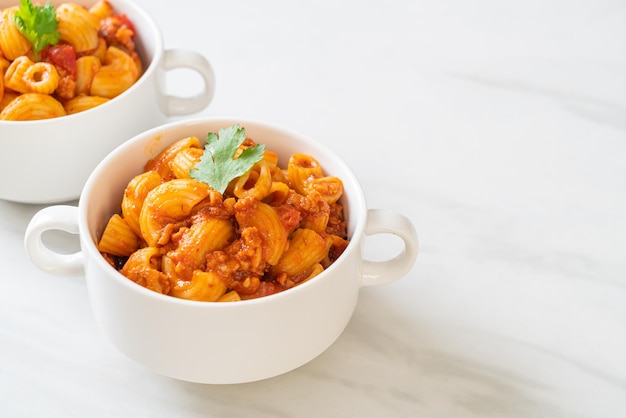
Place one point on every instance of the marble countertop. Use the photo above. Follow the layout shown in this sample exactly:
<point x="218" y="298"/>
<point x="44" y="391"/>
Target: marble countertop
<point x="499" y="128"/>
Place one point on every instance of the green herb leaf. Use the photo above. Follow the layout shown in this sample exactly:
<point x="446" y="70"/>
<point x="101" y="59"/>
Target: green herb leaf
<point x="38" y="24"/>
<point x="218" y="165"/>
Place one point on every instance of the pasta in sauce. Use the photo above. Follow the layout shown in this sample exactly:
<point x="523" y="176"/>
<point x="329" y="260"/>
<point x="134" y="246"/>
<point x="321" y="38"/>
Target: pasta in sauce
<point x="94" y="61"/>
<point x="272" y="229"/>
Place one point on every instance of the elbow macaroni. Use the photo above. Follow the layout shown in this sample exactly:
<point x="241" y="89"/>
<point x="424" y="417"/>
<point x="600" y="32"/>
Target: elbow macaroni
<point x="78" y="27"/>
<point x="12" y="43"/>
<point x="26" y="76"/>
<point x="32" y="106"/>
<point x="271" y="229"/>
<point x="118" y="73"/>
<point x="94" y="62"/>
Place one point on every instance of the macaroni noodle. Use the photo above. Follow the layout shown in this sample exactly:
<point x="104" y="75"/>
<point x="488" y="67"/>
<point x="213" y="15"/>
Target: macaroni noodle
<point x="94" y="62"/>
<point x="272" y="229"/>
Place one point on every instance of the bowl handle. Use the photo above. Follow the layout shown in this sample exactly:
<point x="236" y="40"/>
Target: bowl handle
<point x="380" y="221"/>
<point x="182" y="58"/>
<point x="60" y="217"/>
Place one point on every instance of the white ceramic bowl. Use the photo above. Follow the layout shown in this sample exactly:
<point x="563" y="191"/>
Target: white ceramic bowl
<point x="219" y="342"/>
<point x="48" y="161"/>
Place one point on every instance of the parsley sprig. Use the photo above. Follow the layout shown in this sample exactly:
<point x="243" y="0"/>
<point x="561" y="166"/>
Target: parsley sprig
<point x="38" y="24"/>
<point x="218" y="165"/>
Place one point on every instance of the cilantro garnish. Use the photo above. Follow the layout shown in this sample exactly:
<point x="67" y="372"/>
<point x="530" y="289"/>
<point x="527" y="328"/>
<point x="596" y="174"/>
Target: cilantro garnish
<point x="218" y="165"/>
<point x="38" y="24"/>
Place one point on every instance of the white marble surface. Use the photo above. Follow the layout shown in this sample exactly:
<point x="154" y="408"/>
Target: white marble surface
<point x="499" y="127"/>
